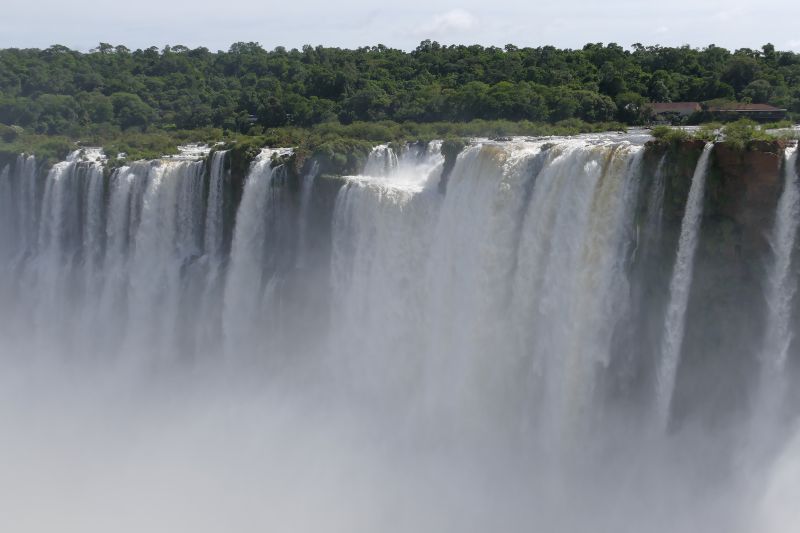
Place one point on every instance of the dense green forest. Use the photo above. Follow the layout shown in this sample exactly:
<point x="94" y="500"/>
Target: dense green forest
<point x="247" y="89"/>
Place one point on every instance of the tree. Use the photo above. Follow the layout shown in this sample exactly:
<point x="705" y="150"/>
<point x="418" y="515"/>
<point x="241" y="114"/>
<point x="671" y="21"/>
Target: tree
<point x="740" y="71"/>
<point x="369" y="103"/>
<point x="631" y="108"/>
<point x="469" y="101"/>
<point x="96" y="107"/>
<point x="563" y="105"/>
<point x="131" y="111"/>
<point x="593" y="107"/>
<point x="58" y="113"/>
<point x="8" y="133"/>
<point x="179" y="87"/>
<point x="758" y="91"/>
<point x="21" y="111"/>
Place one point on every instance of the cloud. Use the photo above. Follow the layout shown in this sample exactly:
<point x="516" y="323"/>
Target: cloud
<point x="453" y="20"/>
<point x="662" y="29"/>
<point x="730" y="14"/>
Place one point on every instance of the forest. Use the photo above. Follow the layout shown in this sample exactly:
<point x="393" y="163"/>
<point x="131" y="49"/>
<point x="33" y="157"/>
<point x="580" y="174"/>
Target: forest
<point x="62" y="91"/>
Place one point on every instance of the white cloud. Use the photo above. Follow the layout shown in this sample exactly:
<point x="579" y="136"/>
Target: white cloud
<point x="453" y="20"/>
<point x="353" y="23"/>
<point x="730" y="14"/>
<point x="662" y="29"/>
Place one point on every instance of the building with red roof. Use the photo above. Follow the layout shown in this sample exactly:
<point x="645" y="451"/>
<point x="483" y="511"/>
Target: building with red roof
<point x="673" y="112"/>
<point x="757" y="112"/>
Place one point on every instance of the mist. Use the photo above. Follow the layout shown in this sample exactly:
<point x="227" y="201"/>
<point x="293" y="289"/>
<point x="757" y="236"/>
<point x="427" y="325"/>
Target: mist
<point x="403" y="350"/>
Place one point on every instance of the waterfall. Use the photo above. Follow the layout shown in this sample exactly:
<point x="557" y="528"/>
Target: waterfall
<point x="506" y="342"/>
<point x="454" y="289"/>
<point x="8" y="236"/>
<point x="164" y="244"/>
<point x="96" y="255"/>
<point x="679" y="288"/>
<point x="413" y="164"/>
<point x="7" y="220"/>
<point x="381" y="161"/>
<point x="781" y="284"/>
<point x="781" y="287"/>
<point x="94" y="229"/>
<point x="655" y="207"/>
<point x="253" y="274"/>
<point x="214" y="214"/>
<point x="63" y="260"/>
<point x="126" y="192"/>
<point x="307" y="188"/>
<point x="209" y="305"/>
<point x="27" y="203"/>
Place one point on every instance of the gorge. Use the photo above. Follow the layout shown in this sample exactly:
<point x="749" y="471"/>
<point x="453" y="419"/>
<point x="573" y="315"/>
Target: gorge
<point x="588" y="333"/>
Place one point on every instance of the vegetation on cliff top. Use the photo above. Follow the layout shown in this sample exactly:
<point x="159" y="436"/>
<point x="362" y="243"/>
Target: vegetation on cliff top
<point x="336" y="103"/>
<point x="336" y="140"/>
<point x="247" y="89"/>
<point x="739" y="135"/>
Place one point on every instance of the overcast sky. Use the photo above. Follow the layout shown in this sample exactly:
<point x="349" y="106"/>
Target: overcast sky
<point x="403" y="24"/>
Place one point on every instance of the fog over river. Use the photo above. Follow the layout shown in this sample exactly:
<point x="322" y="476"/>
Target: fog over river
<point x="557" y="335"/>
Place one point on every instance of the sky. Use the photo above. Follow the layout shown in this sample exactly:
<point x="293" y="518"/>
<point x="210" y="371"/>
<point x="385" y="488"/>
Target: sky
<point x="82" y="24"/>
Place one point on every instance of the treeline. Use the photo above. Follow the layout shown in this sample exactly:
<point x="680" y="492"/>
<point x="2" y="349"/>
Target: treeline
<point x="248" y="89"/>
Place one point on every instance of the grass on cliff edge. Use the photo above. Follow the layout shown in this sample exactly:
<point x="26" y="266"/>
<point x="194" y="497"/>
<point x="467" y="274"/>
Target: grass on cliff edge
<point x="738" y="134"/>
<point x="151" y="144"/>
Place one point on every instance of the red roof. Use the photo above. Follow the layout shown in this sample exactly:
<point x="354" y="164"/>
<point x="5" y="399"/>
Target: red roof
<point x="745" y="107"/>
<point x="675" y="107"/>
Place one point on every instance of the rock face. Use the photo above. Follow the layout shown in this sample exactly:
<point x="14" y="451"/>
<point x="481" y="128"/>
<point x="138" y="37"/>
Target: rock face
<point x="726" y="307"/>
<point x="744" y="188"/>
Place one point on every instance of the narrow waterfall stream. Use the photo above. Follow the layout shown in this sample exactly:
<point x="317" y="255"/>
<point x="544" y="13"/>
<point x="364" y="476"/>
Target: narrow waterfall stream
<point x="679" y="288"/>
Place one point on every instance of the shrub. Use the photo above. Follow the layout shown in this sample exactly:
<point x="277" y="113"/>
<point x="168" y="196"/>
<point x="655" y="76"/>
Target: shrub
<point x="669" y="135"/>
<point x="8" y="133"/>
<point x="741" y="133"/>
<point x="708" y="132"/>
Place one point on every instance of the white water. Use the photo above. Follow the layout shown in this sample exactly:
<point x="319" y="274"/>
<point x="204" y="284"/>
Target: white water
<point x="307" y="187"/>
<point x="252" y="275"/>
<point x="655" y="206"/>
<point x="410" y="168"/>
<point x="463" y="364"/>
<point x="679" y="288"/>
<point x="781" y="283"/>
<point x="771" y="411"/>
<point x="382" y="161"/>
<point x="214" y="212"/>
<point x="7" y="207"/>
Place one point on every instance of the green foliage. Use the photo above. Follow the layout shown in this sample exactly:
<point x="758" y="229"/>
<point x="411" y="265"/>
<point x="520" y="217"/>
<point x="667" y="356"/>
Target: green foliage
<point x="48" y="148"/>
<point x="8" y="134"/>
<point x="670" y="135"/>
<point x="452" y="147"/>
<point x="96" y="107"/>
<point x="342" y="147"/>
<point x="53" y="149"/>
<point x="243" y="152"/>
<point x="741" y="133"/>
<point x="708" y="132"/>
<point x="632" y="109"/>
<point x="138" y="145"/>
<point x="343" y="156"/>
<point x="58" y="114"/>
<point x="758" y="91"/>
<point x="450" y="150"/>
<point x="131" y="111"/>
<point x="778" y="125"/>
<point x="58" y="91"/>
